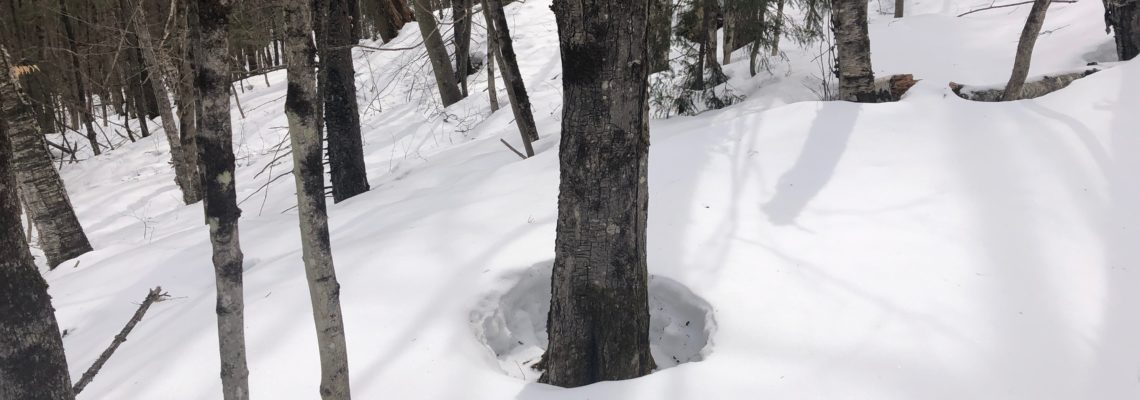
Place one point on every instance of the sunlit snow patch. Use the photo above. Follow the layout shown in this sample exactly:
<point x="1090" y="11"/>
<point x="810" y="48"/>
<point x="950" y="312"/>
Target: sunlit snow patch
<point x="512" y="324"/>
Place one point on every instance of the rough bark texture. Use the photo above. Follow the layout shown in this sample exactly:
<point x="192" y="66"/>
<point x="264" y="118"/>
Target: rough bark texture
<point x="461" y="34"/>
<point x="492" y="51"/>
<point x="856" y="78"/>
<point x="184" y="160"/>
<point x="342" y="116"/>
<point x="187" y="100"/>
<point x="80" y="84"/>
<point x="216" y="165"/>
<point x="660" y="34"/>
<point x="1033" y="88"/>
<point x="1124" y="20"/>
<point x="32" y="363"/>
<point x="599" y="314"/>
<point x="61" y="236"/>
<point x="440" y="63"/>
<point x="512" y="77"/>
<point x="1025" y="50"/>
<point x="301" y="103"/>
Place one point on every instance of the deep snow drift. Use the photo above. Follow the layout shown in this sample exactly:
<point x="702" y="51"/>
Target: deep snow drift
<point x="932" y="248"/>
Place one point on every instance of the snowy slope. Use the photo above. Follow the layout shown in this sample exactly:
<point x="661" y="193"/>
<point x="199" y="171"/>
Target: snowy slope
<point x="932" y="248"/>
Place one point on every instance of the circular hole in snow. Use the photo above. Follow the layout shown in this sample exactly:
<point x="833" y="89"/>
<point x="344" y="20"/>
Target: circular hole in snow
<point x="512" y="324"/>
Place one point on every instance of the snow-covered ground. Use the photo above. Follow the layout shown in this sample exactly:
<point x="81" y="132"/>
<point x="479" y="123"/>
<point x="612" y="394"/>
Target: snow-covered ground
<point x="933" y="248"/>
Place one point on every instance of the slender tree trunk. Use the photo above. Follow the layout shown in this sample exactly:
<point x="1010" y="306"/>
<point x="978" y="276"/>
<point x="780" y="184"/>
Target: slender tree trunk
<point x="899" y="4"/>
<point x="1025" y="50"/>
<point x="184" y="160"/>
<point x="308" y="170"/>
<point x="1124" y="19"/>
<point x="216" y="166"/>
<point x="731" y="11"/>
<point x="660" y="34"/>
<point x="856" y="78"/>
<point x="32" y="363"/>
<point x="492" y="53"/>
<point x="461" y="26"/>
<point x="712" y="14"/>
<point x="187" y="95"/>
<point x="342" y="118"/>
<point x="512" y="77"/>
<point x="779" y="30"/>
<point x="61" y="236"/>
<point x="599" y="313"/>
<point x="80" y="86"/>
<point x="437" y="52"/>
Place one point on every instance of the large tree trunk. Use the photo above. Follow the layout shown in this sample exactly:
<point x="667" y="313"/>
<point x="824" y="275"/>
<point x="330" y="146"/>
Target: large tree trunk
<point x="599" y="313"/>
<point x="512" y="77"/>
<point x="61" y="236"/>
<point x="461" y="28"/>
<point x="899" y="5"/>
<point x="1124" y="19"/>
<point x="301" y="103"/>
<point x="856" y="78"/>
<point x="660" y="34"/>
<point x="216" y="165"/>
<point x="342" y="116"/>
<point x="184" y="159"/>
<point x="1025" y="50"/>
<point x="437" y="52"/>
<point x="80" y="85"/>
<point x="32" y="363"/>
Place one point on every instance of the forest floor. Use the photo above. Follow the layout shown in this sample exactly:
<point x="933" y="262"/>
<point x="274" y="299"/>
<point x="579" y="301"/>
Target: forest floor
<point x="933" y="248"/>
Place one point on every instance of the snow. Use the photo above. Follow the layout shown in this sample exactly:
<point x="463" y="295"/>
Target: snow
<point x="932" y="248"/>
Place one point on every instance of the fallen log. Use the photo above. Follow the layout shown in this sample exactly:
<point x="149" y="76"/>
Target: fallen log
<point x="1035" y="87"/>
<point x="151" y="297"/>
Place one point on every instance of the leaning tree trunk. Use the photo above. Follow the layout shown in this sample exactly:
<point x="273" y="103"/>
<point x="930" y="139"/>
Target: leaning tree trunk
<point x="461" y="28"/>
<point x="216" y="164"/>
<point x="660" y="34"/>
<point x="184" y="160"/>
<point x="301" y="102"/>
<point x="32" y="363"/>
<point x="80" y="86"/>
<point x="61" y="236"/>
<point x="440" y="63"/>
<point x="342" y="116"/>
<point x="1123" y="18"/>
<point x="1025" y="50"/>
<point x="598" y="325"/>
<point x="856" y="78"/>
<point x="512" y="77"/>
<point x="492" y="50"/>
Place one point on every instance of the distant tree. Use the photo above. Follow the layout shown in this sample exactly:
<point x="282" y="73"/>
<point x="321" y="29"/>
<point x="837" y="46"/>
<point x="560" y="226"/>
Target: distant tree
<point x="32" y="363"/>
<point x="1123" y="18"/>
<point x="437" y="53"/>
<point x="512" y="76"/>
<point x="598" y="325"/>
<point x="1025" y="50"/>
<point x="856" y="78"/>
<point x="492" y="54"/>
<point x="660" y="34"/>
<point x="80" y="83"/>
<point x="461" y="35"/>
<point x="61" y="235"/>
<point x="216" y="165"/>
<point x="301" y="103"/>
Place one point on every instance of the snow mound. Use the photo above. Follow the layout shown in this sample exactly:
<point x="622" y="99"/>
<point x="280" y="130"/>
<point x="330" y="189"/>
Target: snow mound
<point x="512" y="324"/>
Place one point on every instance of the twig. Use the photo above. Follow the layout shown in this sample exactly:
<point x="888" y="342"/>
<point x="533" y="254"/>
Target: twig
<point x="154" y="295"/>
<point x="1009" y="5"/>
<point x="512" y="148"/>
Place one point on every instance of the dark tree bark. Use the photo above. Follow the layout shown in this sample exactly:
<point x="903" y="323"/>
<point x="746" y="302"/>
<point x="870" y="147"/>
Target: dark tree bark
<point x="183" y="158"/>
<point x="48" y="205"/>
<point x="856" y="78"/>
<point x="492" y="53"/>
<point x="80" y="85"/>
<point x="32" y="363"/>
<point x="341" y="115"/>
<point x="899" y="5"/>
<point x="187" y="96"/>
<point x="512" y="77"/>
<point x="437" y="53"/>
<point x="660" y="34"/>
<point x="390" y="20"/>
<point x="1025" y="50"/>
<point x="301" y="103"/>
<point x="461" y="32"/>
<point x="599" y="314"/>
<point x="1124" y="20"/>
<point x="216" y="166"/>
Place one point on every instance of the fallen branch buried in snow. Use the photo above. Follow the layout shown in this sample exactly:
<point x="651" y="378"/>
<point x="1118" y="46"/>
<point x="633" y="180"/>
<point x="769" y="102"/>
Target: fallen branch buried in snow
<point x="1009" y="5"/>
<point x="1034" y="87"/>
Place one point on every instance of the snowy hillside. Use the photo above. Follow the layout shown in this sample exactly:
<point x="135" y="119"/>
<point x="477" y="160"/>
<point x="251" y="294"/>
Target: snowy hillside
<point x="933" y="248"/>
